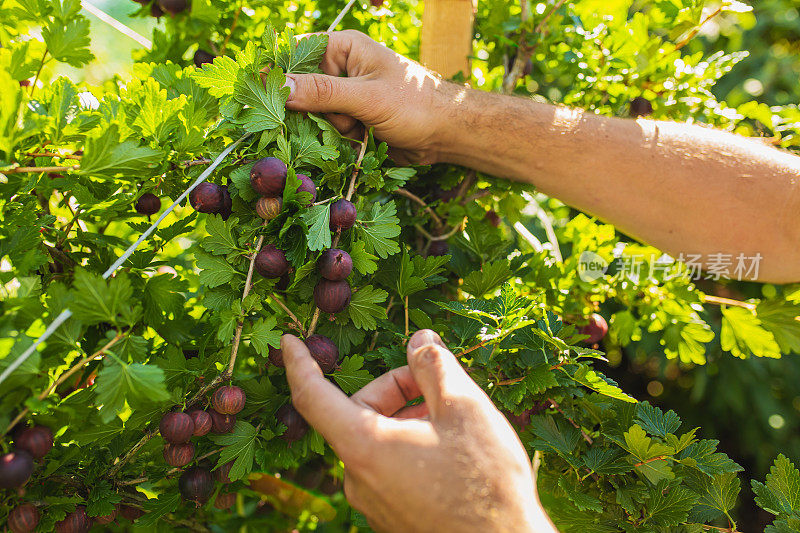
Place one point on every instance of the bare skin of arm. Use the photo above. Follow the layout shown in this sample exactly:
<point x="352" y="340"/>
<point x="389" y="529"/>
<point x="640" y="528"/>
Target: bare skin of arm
<point x="681" y="188"/>
<point x="451" y="463"/>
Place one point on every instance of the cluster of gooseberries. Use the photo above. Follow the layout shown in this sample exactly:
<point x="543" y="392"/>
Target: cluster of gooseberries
<point x="331" y="294"/>
<point x="30" y="444"/>
<point x="196" y="484"/>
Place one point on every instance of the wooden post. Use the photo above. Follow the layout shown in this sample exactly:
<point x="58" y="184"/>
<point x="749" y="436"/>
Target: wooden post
<point x="446" y="40"/>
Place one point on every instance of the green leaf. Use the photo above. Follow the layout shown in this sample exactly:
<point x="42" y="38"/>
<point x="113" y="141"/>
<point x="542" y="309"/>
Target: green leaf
<point x="539" y="379"/>
<point x="582" y="500"/>
<point x="155" y="508"/>
<point x="265" y="101"/>
<point x="717" y="494"/>
<point x="163" y="297"/>
<point x="406" y="283"/>
<point x="102" y="499"/>
<point x="317" y="218"/>
<point x="136" y="383"/>
<point x="307" y="53"/>
<point x="378" y="228"/>
<point x="703" y="456"/>
<point x="351" y="376"/>
<point x="364" y="309"/>
<point x="218" y="77"/>
<point x="263" y="335"/>
<point x="643" y="447"/>
<point x="240" y="176"/>
<point x="606" y="461"/>
<point x="779" y="318"/>
<point x="668" y="506"/>
<point x="559" y="437"/>
<point x="781" y="493"/>
<point x="240" y="445"/>
<point x="363" y="261"/>
<point x="743" y="335"/>
<point x="68" y="43"/>
<point x="97" y="300"/>
<point x="491" y="276"/>
<point x="656" y="421"/>
<point x="220" y="240"/>
<point x="597" y="382"/>
<point x="215" y="270"/>
<point x="105" y="156"/>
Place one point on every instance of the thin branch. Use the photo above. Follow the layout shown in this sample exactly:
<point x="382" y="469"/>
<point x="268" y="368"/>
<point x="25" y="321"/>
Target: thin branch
<point x="351" y="189"/>
<point x="466" y="184"/>
<point x="718" y="300"/>
<point x="230" y="33"/>
<point x="53" y="154"/>
<point x="63" y="377"/>
<point x="473" y="348"/>
<point x="691" y="35"/>
<point x="550" y="232"/>
<point x="38" y="72"/>
<point x="312" y="327"/>
<point x="524" y="53"/>
<point x="203" y="161"/>
<point x="411" y="196"/>
<point x="24" y="170"/>
<point x="405" y="309"/>
<point x="442" y="237"/>
<point x="240" y="324"/>
<point x="123" y="460"/>
<point x="656" y="458"/>
<point x="288" y="312"/>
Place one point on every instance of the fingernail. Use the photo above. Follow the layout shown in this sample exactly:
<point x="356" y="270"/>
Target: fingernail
<point x="290" y="83"/>
<point x="424" y="337"/>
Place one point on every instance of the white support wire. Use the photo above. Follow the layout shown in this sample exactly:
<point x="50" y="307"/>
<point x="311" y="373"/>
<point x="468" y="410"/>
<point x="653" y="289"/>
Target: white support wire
<point x="117" y="25"/>
<point x="341" y="15"/>
<point x="66" y="313"/>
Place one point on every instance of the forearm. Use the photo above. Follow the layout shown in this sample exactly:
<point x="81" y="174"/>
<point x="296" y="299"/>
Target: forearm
<point x="682" y="188"/>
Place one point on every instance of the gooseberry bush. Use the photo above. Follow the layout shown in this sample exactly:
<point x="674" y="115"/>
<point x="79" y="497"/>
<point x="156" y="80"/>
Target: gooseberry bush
<point x="163" y="402"/>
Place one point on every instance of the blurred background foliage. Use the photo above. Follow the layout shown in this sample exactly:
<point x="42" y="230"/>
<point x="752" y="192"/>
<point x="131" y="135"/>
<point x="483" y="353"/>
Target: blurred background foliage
<point x="752" y="406"/>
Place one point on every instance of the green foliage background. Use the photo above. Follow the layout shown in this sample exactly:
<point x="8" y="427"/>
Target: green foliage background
<point x="644" y="471"/>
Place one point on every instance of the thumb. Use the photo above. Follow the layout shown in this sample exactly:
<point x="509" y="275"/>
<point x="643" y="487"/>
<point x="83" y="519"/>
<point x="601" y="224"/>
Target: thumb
<point x="320" y="93"/>
<point x="441" y="379"/>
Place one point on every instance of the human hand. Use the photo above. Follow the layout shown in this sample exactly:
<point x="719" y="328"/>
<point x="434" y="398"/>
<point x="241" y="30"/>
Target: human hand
<point x="401" y="99"/>
<point x="452" y="463"/>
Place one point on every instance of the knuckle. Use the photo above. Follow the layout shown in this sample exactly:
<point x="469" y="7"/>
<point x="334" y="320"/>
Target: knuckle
<point x="323" y="88"/>
<point x="352" y="34"/>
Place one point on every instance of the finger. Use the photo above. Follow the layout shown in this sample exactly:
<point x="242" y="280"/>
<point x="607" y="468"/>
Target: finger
<point x="343" y="423"/>
<point x="342" y="123"/>
<point x="388" y="393"/>
<point x="419" y="410"/>
<point x="320" y="93"/>
<point x="438" y="373"/>
<point x="334" y="61"/>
